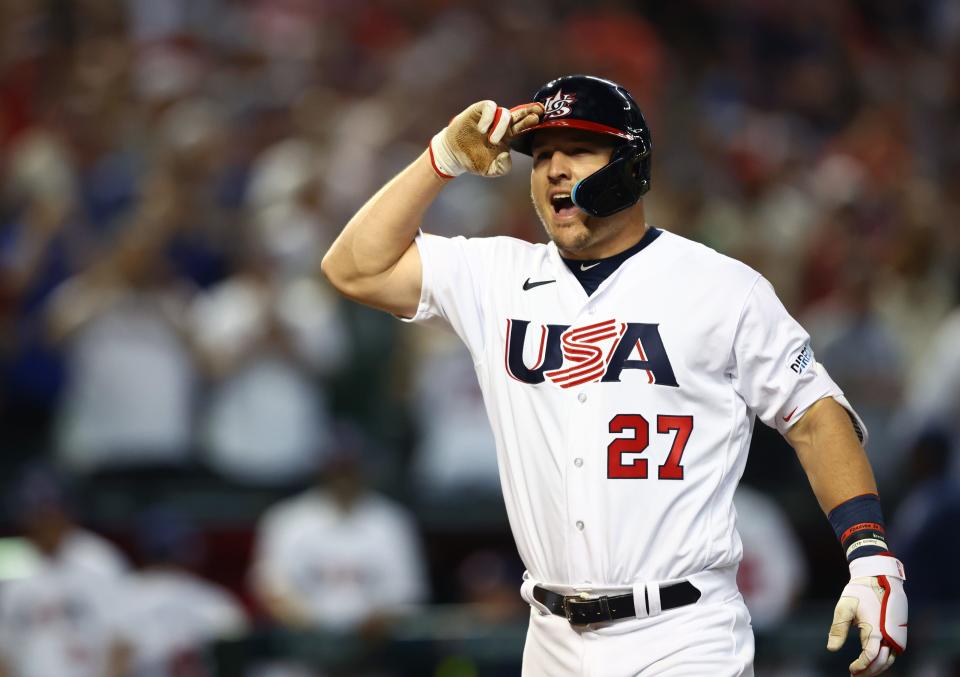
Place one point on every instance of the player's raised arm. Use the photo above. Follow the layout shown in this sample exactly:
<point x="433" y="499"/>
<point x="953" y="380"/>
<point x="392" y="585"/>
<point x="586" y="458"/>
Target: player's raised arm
<point x="374" y="260"/>
<point x="873" y="602"/>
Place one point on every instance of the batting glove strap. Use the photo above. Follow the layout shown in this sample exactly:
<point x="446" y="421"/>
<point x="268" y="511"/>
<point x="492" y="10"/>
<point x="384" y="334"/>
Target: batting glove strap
<point x="877" y="605"/>
<point x="473" y="142"/>
<point x="877" y="565"/>
<point x="442" y="157"/>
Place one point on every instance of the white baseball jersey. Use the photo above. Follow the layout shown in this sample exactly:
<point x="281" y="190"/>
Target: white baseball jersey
<point x="622" y="419"/>
<point x="169" y="617"/>
<point x="88" y="553"/>
<point x="340" y="567"/>
<point x="58" y="620"/>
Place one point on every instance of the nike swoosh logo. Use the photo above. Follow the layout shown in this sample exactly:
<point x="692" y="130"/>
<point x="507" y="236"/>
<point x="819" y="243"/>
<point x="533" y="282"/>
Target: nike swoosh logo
<point x="528" y="285"/>
<point x="592" y="265"/>
<point x="787" y="418"/>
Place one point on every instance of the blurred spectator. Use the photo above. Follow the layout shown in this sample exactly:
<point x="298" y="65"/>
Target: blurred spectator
<point x="190" y="202"/>
<point x="773" y="571"/>
<point x="916" y="293"/>
<point x="609" y="38"/>
<point x="930" y="510"/>
<point x="456" y="451"/>
<point x="861" y="353"/>
<point x="285" y="199"/>
<point x="166" y="616"/>
<point x="489" y="584"/>
<point x="43" y="508"/>
<point x="339" y="556"/>
<point x="42" y="242"/>
<point x="268" y="344"/>
<point x="933" y="400"/>
<point x="130" y="383"/>
<point x="57" y="620"/>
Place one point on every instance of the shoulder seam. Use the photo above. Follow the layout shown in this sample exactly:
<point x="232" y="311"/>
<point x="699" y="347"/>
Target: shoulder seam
<point x="743" y="306"/>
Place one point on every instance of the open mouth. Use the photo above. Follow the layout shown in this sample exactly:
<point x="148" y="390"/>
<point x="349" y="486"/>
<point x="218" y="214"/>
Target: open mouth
<point x="563" y="205"/>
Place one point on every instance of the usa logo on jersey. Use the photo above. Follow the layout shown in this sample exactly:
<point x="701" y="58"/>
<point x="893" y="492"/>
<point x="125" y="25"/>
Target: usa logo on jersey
<point x="558" y="105"/>
<point x="571" y="356"/>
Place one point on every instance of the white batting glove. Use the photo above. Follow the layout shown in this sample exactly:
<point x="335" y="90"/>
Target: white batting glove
<point x="476" y="140"/>
<point x="873" y="599"/>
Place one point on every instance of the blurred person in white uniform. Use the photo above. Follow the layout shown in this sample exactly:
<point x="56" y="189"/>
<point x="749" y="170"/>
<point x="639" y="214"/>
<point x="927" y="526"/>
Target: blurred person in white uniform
<point x="268" y="344"/>
<point x="56" y="619"/>
<point x="340" y="556"/>
<point x="933" y="398"/>
<point x="456" y="451"/>
<point x="166" y="615"/>
<point x="130" y="384"/>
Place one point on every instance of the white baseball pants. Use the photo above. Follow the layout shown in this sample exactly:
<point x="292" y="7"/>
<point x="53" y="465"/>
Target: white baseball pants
<point x="711" y="637"/>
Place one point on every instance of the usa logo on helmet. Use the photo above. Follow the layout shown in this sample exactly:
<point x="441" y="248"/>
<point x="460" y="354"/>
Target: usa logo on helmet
<point x="558" y="105"/>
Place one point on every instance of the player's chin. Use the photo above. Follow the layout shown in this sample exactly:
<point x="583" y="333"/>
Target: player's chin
<point x="569" y="231"/>
<point x="570" y="236"/>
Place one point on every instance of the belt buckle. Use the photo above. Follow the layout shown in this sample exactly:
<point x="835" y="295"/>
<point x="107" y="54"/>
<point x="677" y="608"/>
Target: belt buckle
<point x="567" y="611"/>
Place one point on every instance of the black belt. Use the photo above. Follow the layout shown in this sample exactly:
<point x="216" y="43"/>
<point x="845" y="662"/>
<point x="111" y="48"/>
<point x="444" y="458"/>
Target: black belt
<point x="582" y="611"/>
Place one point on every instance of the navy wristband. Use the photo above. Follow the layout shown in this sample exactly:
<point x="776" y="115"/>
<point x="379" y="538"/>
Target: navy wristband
<point x="858" y="524"/>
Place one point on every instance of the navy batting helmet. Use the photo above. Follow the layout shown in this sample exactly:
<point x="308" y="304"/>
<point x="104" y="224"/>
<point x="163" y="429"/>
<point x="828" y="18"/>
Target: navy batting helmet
<point x="604" y="107"/>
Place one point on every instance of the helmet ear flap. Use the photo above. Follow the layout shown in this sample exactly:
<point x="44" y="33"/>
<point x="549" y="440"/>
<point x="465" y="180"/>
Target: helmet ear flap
<point x="617" y="185"/>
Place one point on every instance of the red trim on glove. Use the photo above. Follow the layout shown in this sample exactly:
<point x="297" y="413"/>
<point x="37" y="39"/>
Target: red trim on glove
<point x="885" y="584"/>
<point x="433" y="163"/>
<point x="493" y="125"/>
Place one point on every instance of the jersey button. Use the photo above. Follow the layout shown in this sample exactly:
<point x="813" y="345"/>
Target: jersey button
<point x="580" y="525"/>
<point x="582" y="397"/>
<point x="578" y="462"/>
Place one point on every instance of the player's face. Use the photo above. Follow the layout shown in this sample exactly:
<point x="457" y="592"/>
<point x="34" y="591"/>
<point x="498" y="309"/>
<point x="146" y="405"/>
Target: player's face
<point x="561" y="158"/>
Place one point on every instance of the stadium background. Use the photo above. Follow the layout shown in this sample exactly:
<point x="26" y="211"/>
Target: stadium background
<point x="186" y="152"/>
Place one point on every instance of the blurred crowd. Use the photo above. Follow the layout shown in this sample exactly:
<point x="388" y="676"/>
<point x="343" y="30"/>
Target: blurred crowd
<point x="173" y="171"/>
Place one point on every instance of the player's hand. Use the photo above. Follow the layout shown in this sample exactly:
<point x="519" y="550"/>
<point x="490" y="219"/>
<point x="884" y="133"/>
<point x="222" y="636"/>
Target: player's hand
<point x="477" y="139"/>
<point x="874" y="600"/>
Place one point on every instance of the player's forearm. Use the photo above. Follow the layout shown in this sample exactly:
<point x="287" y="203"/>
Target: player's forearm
<point x="378" y="235"/>
<point x="874" y="600"/>
<point x="835" y="463"/>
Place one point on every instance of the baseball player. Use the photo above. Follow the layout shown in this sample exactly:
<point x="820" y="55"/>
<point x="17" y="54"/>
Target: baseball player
<point x="338" y="555"/>
<point x="58" y="619"/>
<point x="622" y="367"/>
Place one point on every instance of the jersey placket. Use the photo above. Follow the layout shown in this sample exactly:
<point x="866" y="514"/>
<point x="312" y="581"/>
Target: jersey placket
<point x="581" y="463"/>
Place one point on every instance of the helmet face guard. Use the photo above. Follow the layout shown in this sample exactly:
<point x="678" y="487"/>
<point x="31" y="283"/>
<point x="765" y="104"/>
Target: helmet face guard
<point x="603" y="107"/>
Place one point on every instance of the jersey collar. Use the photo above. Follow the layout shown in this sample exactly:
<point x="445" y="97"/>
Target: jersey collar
<point x="591" y="273"/>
